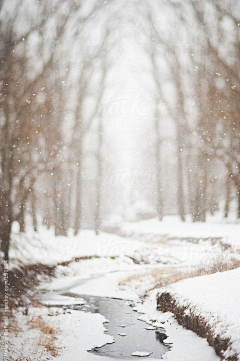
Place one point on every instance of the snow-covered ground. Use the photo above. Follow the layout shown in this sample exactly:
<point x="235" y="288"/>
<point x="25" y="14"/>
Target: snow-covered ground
<point x="192" y="244"/>
<point x="44" y="247"/>
<point x="77" y="332"/>
<point x="216" y="298"/>
<point x="173" y="228"/>
<point x="113" y="266"/>
<point x="155" y="243"/>
<point x="186" y="345"/>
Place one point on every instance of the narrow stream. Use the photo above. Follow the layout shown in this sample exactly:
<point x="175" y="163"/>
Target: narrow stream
<point x="130" y="334"/>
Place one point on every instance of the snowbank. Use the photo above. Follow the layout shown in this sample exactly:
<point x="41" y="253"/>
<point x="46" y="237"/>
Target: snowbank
<point x="76" y="332"/>
<point x="209" y="303"/>
<point x="45" y="248"/>
<point x="172" y="227"/>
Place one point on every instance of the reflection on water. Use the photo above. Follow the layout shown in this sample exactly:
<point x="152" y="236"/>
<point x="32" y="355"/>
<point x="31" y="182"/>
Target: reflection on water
<point x="130" y="334"/>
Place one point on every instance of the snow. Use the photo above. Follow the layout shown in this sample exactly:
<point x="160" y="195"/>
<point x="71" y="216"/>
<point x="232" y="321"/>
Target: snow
<point x="185" y="345"/>
<point x="80" y="332"/>
<point x="54" y="299"/>
<point x="46" y="248"/>
<point x="173" y="227"/>
<point x="155" y="243"/>
<point x="150" y="328"/>
<point x="141" y="353"/>
<point x="187" y="245"/>
<point x="83" y="331"/>
<point x="111" y="263"/>
<point x="216" y="297"/>
<point x="106" y="286"/>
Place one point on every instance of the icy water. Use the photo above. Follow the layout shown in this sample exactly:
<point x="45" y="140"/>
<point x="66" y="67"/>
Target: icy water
<point x="130" y="333"/>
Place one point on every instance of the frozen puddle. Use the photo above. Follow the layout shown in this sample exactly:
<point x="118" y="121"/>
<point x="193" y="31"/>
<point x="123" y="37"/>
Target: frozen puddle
<point x="137" y="341"/>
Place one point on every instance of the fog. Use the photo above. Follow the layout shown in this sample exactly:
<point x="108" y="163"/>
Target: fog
<point x="117" y="111"/>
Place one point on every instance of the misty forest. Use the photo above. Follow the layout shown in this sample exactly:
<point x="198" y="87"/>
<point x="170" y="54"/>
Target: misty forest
<point x="119" y="180"/>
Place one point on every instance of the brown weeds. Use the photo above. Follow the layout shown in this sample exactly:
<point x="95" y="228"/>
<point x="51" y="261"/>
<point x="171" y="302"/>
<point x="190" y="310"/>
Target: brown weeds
<point x="48" y="334"/>
<point x="162" y="277"/>
<point x="22" y="282"/>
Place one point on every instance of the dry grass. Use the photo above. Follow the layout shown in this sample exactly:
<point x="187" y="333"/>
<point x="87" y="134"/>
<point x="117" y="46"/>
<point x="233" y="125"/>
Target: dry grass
<point x="174" y="275"/>
<point x="40" y="324"/>
<point x="12" y="325"/>
<point x="48" y="334"/>
<point x="20" y="358"/>
<point x="171" y="276"/>
<point x="22" y="282"/>
<point x="162" y="277"/>
<point x="48" y="344"/>
<point x="130" y="279"/>
<point x="217" y="266"/>
<point x="83" y="258"/>
<point x="44" y="341"/>
<point x="156" y="278"/>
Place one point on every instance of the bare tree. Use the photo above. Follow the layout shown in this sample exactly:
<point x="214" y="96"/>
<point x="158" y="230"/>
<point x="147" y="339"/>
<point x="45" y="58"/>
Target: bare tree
<point x="105" y="65"/>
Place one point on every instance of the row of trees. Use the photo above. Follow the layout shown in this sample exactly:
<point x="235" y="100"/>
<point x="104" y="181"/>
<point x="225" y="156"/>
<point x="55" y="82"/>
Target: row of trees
<point x="197" y="55"/>
<point x="56" y="63"/>
<point x="48" y="74"/>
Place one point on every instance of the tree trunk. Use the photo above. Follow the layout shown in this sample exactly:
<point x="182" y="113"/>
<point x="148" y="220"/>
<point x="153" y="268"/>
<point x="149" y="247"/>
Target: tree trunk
<point x="59" y="197"/>
<point x="5" y="222"/>
<point x="78" y="207"/>
<point x="158" y="167"/>
<point x="197" y="191"/>
<point x="98" y="215"/>
<point x="190" y="184"/>
<point x="48" y="220"/>
<point x="21" y="218"/>
<point x="5" y="236"/>
<point x="238" y="211"/>
<point x="228" y="194"/>
<point x="179" y="138"/>
<point x="68" y="199"/>
<point x="99" y="178"/>
<point x="79" y="160"/>
<point x="6" y="217"/>
<point x="200" y="189"/>
<point x="204" y="189"/>
<point x="180" y="190"/>
<point x="62" y="213"/>
<point x="57" y="202"/>
<point x="33" y="208"/>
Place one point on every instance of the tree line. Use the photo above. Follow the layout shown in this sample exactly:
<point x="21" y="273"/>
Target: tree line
<point x="55" y="64"/>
